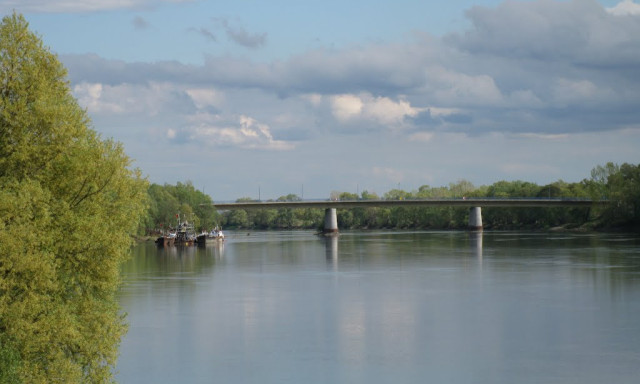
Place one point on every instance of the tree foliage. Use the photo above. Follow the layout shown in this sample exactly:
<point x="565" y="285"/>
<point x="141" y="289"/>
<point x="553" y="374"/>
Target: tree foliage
<point x="68" y="204"/>
<point x="622" y="187"/>
<point x="166" y="201"/>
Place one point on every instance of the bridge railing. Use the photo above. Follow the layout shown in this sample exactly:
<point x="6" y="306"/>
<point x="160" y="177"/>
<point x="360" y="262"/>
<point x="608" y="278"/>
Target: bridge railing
<point x="462" y="201"/>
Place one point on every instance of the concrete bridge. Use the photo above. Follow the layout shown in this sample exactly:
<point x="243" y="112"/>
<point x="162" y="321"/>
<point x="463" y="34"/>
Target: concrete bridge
<point x="475" y="206"/>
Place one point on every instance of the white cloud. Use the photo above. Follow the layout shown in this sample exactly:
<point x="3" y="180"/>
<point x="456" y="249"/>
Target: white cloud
<point x="389" y="112"/>
<point x="241" y="131"/>
<point x="88" y="93"/>
<point x="346" y="107"/>
<point x="381" y="110"/>
<point x="146" y="99"/>
<point x="90" y="96"/>
<point x="625" y="7"/>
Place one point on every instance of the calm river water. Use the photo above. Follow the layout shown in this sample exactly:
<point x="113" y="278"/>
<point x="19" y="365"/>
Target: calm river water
<point x="385" y="307"/>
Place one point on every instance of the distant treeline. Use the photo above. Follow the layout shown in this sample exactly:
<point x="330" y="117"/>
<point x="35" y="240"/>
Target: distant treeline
<point x="619" y="184"/>
<point x="170" y="203"/>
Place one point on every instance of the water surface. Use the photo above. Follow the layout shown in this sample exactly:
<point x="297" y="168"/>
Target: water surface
<point x="381" y="307"/>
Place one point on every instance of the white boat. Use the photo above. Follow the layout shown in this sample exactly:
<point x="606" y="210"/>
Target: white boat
<point x="216" y="234"/>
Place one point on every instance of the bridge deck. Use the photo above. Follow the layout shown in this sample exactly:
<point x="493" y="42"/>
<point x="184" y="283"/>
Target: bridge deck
<point x="411" y="203"/>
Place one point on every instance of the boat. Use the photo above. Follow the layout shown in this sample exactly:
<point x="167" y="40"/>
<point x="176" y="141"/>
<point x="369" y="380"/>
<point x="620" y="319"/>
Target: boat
<point x="213" y="236"/>
<point x="201" y="239"/>
<point x="165" y="240"/>
<point x="216" y="234"/>
<point x="183" y="234"/>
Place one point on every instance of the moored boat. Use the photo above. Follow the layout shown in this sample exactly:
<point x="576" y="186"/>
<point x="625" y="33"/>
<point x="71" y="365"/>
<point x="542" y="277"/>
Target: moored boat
<point x="166" y="239"/>
<point x="184" y="234"/>
<point x="201" y="239"/>
<point x="216" y="234"/>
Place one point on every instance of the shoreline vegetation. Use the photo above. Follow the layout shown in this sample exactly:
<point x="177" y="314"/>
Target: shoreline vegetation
<point x="619" y="184"/>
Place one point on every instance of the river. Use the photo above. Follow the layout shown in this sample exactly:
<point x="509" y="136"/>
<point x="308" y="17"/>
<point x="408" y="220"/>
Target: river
<point x="385" y="307"/>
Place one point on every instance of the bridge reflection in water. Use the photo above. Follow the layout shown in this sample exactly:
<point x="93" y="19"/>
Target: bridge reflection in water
<point x="332" y="253"/>
<point x="475" y="206"/>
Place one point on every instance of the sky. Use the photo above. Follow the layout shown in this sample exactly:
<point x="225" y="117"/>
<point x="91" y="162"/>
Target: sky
<point x="262" y="99"/>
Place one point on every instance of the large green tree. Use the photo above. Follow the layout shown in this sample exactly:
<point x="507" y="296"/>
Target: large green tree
<point x="68" y="204"/>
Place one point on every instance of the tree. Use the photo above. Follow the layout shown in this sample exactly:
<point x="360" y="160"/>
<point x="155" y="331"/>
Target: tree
<point x="264" y="218"/>
<point x="347" y="196"/>
<point x="68" y="204"/>
<point x="289" y="197"/>
<point x="163" y="206"/>
<point x="366" y="195"/>
<point x="599" y="179"/>
<point x="624" y="196"/>
<point x="166" y="201"/>
<point x="238" y="219"/>
<point x="461" y="188"/>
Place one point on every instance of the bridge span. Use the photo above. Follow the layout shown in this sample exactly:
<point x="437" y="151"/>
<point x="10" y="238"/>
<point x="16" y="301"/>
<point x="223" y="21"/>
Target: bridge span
<point x="475" y="205"/>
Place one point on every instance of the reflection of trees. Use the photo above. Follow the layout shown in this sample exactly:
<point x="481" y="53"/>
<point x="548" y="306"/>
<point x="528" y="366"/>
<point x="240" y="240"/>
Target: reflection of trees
<point x="605" y="261"/>
<point x="175" y="260"/>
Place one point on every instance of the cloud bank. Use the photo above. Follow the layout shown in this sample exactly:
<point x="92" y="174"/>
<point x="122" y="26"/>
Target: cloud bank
<point x="538" y="85"/>
<point x="527" y="67"/>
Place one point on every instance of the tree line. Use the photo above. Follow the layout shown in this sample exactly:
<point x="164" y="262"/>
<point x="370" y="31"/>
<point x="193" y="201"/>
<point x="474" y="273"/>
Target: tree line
<point x="619" y="184"/>
<point x="168" y="204"/>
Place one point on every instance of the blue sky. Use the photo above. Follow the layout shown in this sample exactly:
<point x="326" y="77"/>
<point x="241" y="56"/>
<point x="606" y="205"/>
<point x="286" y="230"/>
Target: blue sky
<point x="319" y="96"/>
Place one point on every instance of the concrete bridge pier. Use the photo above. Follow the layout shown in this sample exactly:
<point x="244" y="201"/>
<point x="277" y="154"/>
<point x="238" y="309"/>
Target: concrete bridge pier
<point x="475" y="219"/>
<point x="330" y="222"/>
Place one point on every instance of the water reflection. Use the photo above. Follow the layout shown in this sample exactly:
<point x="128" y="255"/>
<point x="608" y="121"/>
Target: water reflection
<point x="475" y="242"/>
<point x="379" y="307"/>
<point x="217" y="249"/>
<point x="331" y="251"/>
